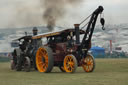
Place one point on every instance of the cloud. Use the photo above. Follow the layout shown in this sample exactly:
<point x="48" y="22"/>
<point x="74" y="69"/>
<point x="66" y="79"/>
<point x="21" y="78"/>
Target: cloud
<point x="19" y="13"/>
<point x="22" y="13"/>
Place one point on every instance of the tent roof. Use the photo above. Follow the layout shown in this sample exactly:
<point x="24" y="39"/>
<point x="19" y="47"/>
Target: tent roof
<point x="97" y="48"/>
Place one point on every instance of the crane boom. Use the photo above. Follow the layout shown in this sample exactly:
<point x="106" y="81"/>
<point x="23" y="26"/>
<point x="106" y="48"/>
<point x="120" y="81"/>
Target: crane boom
<point x="85" y="44"/>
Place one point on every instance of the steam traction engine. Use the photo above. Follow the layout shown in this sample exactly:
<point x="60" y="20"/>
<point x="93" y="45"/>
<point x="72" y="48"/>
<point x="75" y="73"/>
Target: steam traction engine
<point x="24" y="54"/>
<point x="65" y="52"/>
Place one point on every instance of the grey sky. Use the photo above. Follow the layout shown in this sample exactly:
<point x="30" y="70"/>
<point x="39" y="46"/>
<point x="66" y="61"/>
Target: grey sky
<point x="22" y="13"/>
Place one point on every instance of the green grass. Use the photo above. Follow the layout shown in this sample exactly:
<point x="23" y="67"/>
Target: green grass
<point x="107" y="72"/>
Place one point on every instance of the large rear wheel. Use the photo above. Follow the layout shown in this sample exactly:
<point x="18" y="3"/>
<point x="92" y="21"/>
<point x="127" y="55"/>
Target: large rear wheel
<point x="70" y="63"/>
<point x="88" y="63"/>
<point x="44" y="59"/>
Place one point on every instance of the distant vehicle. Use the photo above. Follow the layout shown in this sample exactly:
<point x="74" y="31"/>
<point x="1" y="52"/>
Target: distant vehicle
<point x="65" y="52"/>
<point x="24" y="53"/>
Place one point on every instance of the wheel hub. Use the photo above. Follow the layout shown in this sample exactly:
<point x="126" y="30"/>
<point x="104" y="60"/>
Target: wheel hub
<point x="89" y="63"/>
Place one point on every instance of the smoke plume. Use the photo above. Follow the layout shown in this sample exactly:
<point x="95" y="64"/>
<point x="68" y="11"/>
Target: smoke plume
<point x="55" y="10"/>
<point x="29" y="13"/>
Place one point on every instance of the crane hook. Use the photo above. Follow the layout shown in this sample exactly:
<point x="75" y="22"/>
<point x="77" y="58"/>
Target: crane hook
<point x="102" y="21"/>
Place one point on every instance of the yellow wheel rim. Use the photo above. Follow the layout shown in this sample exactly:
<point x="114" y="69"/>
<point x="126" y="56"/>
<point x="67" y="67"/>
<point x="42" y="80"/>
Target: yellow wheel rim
<point x="41" y="59"/>
<point x="88" y="63"/>
<point x="69" y="63"/>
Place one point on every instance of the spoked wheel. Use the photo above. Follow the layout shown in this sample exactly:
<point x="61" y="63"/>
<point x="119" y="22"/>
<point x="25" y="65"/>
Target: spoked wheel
<point x="61" y="68"/>
<point x="70" y="63"/>
<point x="44" y="59"/>
<point x="27" y="64"/>
<point x="88" y="63"/>
<point x="19" y="63"/>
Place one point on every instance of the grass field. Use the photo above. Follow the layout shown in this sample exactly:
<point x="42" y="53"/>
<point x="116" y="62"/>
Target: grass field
<point x="107" y="72"/>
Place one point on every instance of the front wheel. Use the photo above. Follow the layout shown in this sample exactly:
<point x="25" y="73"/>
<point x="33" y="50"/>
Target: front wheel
<point x="88" y="63"/>
<point x="19" y="63"/>
<point x="27" y="64"/>
<point x="70" y="63"/>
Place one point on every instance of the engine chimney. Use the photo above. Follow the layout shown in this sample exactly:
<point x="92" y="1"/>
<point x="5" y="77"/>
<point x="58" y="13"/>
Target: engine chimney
<point x="77" y="33"/>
